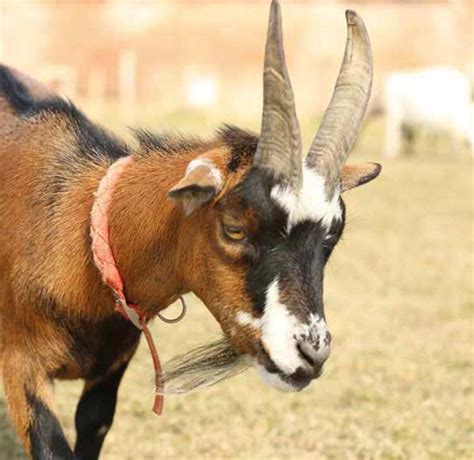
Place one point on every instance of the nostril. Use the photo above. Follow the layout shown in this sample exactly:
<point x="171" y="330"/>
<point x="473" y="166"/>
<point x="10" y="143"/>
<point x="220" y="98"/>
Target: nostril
<point x="305" y="354"/>
<point x="316" y="351"/>
<point x="327" y="339"/>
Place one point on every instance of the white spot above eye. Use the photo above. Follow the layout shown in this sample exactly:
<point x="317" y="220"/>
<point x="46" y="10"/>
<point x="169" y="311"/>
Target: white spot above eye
<point x="209" y="165"/>
<point x="310" y="202"/>
<point x="246" y="319"/>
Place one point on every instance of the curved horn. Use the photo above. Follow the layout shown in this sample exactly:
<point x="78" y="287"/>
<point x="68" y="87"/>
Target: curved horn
<point x="279" y="146"/>
<point x="343" y="117"/>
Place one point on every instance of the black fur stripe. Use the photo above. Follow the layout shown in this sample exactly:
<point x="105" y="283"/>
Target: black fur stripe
<point x="14" y="91"/>
<point x="46" y="435"/>
<point x="93" y="142"/>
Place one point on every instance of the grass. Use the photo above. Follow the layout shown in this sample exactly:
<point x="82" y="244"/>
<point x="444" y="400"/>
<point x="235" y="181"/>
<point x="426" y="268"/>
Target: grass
<point x="399" y="383"/>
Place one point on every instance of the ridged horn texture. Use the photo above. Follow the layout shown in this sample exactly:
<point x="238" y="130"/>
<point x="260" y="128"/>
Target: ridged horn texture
<point x="343" y="117"/>
<point x="279" y="146"/>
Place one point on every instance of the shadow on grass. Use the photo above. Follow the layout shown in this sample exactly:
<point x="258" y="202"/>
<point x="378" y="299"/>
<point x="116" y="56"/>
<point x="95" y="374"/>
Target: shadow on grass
<point x="10" y="447"/>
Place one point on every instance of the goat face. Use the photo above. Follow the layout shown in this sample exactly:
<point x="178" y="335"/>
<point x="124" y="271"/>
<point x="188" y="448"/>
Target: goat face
<point x="258" y="251"/>
<point x="269" y="233"/>
<point x="286" y="246"/>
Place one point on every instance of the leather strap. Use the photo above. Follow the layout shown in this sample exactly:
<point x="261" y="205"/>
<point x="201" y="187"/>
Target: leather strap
<point x="106" y="264"/>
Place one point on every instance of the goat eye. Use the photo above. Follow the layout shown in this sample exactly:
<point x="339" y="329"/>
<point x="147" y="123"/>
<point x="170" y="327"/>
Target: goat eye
<point x="235" y="233"/>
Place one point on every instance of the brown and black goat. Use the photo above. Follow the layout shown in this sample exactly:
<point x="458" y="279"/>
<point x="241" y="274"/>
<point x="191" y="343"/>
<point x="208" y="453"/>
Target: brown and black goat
<point x="258" y="227"/>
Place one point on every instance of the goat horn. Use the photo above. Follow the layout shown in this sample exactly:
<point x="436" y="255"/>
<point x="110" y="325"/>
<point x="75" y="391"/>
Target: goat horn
<point x="345" y="112"/>
<point x="279" y="146"/>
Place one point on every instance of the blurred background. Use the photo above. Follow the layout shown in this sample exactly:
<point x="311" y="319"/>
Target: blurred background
<point x="399" y="288"/>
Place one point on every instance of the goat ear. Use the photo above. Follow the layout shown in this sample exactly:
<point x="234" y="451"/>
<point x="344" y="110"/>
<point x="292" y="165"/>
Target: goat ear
<point x="200" y="184"/>
<point x="354" y="175"/>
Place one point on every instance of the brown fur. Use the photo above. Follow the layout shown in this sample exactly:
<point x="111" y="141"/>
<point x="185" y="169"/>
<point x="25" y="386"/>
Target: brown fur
<point x="58" y="319"/>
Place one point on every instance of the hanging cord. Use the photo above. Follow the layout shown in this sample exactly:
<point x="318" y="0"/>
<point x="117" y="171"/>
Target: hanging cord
<point x="106" y="264"/>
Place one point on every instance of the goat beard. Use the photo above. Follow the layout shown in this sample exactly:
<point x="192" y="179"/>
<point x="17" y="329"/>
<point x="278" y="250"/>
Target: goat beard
<point x="202" y="367"/>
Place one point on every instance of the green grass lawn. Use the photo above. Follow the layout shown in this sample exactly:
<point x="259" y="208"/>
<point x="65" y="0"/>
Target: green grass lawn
<point x="399" y="382"/>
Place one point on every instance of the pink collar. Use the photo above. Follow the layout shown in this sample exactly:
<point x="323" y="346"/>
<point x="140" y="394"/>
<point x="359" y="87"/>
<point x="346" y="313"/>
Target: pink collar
<point x="105" y="261"/>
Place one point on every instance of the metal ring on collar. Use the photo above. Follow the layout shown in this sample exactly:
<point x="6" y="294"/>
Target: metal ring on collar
<point x="178" y="318"/>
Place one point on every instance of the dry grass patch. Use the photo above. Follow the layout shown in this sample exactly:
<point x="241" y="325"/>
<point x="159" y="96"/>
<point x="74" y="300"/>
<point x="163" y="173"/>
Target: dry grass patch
<point x="399" y="301"/>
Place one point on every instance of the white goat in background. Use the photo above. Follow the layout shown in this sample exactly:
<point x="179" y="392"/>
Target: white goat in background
<point x="437" y="99"/>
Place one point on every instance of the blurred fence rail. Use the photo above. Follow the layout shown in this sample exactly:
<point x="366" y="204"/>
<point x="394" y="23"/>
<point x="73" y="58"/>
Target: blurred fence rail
<point x="176" y="55"/>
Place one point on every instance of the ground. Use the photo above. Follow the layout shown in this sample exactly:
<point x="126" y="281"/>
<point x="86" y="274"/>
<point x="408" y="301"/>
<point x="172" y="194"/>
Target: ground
<point x="399" y="302"/>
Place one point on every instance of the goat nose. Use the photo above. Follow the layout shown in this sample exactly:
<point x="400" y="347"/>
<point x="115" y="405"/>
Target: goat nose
<point x="315" y="349"/>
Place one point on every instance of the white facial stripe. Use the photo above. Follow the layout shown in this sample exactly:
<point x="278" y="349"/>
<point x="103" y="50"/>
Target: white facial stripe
<point x="246" y="319"/>
<point x="210" y="166"/>
<point x="278" y="330"/>
<point x="281" y="332"/>
<point x="310" y="202"/>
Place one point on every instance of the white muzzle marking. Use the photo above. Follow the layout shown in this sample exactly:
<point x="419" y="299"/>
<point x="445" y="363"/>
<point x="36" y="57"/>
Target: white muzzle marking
<point x="282" y="333"/>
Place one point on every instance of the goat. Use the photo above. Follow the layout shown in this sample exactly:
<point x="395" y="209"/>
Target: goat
<point x="259" y="224"/>
<point x="437" y="100"/>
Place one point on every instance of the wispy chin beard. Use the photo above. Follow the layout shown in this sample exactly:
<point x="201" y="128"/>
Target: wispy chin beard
<point x="202" y="367"/>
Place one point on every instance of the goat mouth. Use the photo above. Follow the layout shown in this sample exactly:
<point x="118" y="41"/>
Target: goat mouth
<point x="212" y="363"/>
<point x="299" y="379"/>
